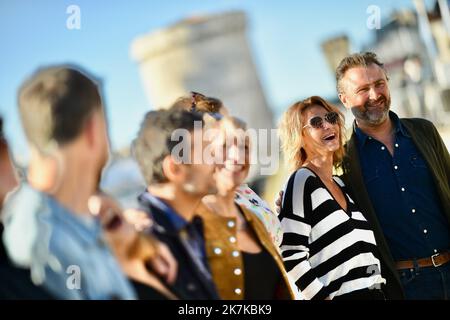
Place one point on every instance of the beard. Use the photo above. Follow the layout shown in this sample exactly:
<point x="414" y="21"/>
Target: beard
<point x="196" y="186"/>
<point x="372" y="113"/>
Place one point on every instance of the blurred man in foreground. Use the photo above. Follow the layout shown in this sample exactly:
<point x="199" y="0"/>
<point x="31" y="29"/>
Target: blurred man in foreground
<point x="48" y="227"/>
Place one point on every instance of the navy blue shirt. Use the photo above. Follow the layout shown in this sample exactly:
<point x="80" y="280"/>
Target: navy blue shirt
<point x="403" y="194"/>
<point x="194" y="228"/>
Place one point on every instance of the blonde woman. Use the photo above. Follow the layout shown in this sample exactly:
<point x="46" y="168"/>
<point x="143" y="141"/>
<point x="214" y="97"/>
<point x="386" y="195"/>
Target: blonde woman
<point x="328" y="246"/>
<point x="244" y="262"/>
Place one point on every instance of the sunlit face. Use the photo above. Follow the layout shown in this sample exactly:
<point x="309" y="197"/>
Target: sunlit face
<point x="366" y="93"/>
<point x="199" y="176"/>
<point x="235" y="148"/>
<point x="321" y="140"/>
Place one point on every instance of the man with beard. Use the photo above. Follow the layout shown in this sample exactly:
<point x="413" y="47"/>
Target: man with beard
<point x="178" y="179"/>
<point x="399" y="172"/>
<point x="48" y="227"/>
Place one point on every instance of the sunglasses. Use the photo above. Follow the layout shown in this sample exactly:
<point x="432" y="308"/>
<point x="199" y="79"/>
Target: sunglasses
<point x="317" y="122"/>
<point x="195" y="98"/>
<point x="198" y="97"/>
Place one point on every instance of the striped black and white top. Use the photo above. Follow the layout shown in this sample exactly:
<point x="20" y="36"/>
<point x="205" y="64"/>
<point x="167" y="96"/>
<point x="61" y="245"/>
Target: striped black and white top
<point x="327" y="251"/>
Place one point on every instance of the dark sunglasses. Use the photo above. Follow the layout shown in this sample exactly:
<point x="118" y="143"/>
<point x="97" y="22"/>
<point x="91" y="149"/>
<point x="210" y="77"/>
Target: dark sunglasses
<point x="317" y="122"/>
<point x="196" y="98"/>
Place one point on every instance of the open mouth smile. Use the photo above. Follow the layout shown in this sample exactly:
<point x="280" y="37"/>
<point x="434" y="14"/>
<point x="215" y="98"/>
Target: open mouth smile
<point x="329" y="137"/>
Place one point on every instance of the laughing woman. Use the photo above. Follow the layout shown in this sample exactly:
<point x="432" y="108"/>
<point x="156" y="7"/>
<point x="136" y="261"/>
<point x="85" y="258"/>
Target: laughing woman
<point x="328" y="246"/>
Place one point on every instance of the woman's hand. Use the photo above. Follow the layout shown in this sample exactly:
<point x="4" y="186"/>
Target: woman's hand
<point x="279" y="201"/>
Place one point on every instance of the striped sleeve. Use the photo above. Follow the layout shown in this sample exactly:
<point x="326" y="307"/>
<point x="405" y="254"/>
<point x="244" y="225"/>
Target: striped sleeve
<point x="296" y="206"/>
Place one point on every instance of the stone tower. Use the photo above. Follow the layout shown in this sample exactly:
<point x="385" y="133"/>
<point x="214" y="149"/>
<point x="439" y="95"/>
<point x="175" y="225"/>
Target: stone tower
<point x="210" y="55"/>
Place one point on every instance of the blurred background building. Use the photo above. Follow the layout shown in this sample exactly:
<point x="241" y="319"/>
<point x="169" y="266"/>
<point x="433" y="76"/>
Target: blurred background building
<point x="209" y="54"/>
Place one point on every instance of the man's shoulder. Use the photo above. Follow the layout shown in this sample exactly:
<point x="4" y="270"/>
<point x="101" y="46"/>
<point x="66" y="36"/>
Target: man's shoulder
<point x="417" y="123"/>
<point x="23" y="199"/>
<point x="37" y="225"/>
<point x="161" y="221"/>
<point x="146" y="204"/>
<point x="20" y="219"/>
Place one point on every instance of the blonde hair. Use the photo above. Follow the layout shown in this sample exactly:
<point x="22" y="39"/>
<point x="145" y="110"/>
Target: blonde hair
<point x="291" y="129"/>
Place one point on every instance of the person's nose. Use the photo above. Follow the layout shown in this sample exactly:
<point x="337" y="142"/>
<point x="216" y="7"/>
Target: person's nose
<point x="373" y="93"/>
<point x="326" y="125"/>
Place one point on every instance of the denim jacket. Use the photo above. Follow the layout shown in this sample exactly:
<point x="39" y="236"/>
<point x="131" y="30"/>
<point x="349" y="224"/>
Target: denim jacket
<point x="64" y="253"/>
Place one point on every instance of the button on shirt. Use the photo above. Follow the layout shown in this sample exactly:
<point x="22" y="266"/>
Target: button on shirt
<point x="403" y="195"/>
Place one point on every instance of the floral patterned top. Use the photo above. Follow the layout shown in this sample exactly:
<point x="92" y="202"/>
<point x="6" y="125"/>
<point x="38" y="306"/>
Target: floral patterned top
<point x="249" y="199"/>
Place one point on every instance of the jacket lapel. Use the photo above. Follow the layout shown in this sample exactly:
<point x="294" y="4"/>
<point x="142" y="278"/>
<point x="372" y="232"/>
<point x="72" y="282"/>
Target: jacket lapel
<point x="164" y="226"/>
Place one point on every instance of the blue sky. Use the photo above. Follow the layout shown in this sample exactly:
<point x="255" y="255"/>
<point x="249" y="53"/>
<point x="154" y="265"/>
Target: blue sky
<point x="285" y="36"/>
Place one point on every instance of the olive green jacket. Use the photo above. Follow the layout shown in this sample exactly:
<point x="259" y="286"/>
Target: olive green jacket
<point x="430" y="145"/>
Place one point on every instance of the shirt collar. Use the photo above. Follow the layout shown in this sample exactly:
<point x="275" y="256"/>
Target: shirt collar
<point x="399" y="129"/>
<point x="178" y="222"/>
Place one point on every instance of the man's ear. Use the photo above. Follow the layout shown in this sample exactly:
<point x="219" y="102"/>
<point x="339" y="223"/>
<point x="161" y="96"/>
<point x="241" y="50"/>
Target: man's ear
<point x="89" y="130"/>
<point x="45" y="170"/>
<point x="93" y="130"/>
<point x="343" y="99"/>
<point x="171" y="170"/>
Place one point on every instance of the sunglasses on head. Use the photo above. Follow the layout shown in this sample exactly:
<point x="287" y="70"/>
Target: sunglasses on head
<point x="317" y="121"/>
<point x="196" y="98"/>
